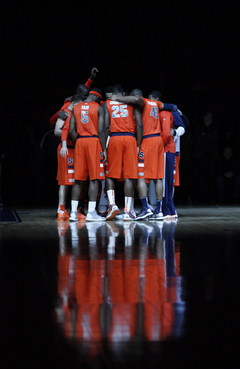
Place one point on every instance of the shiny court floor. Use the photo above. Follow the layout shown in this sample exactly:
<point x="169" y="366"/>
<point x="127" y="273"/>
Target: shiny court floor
<point x="115" y="295"/>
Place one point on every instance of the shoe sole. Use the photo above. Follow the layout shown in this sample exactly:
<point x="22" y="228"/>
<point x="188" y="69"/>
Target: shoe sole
<point x="156" y="218"/>
<point x="95" y="220"/>
<point x="115" y="212"/>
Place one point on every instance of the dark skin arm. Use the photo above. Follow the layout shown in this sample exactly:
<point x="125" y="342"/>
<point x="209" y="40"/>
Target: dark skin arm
<point x="139" y="127"/>
<point x="72" y="127"/>
<point x="94" y="72"/>
<point x="101" y="130"/>
<point x="128" y="99"/>
<point x="106" y="120"/>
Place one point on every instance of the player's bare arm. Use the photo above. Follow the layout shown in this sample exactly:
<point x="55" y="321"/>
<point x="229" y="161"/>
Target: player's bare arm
<point x="64" y="149"/>
<point x="106" y="120"/>
<point x="58" y="127"/>
<point x="128" y="99"/>
<point x="139" y="127"/>
<point x="94" y="72"/>
<point x="101" y="130"/>
<point x="72" y="127"/>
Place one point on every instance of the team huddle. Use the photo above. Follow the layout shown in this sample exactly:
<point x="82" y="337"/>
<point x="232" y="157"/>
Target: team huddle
<point x="126" y="138"/>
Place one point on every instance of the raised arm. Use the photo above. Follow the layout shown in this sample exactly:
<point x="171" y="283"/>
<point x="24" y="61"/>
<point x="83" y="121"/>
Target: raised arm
<point x="90" y="80"/>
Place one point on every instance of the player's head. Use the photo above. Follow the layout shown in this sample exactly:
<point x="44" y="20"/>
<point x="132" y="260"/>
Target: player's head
<point x="82" y="91"/>
<point x="96" y="94"/>
<point x="136" y="92"/>
<point x="109" y="92"/>
<point x="118" y="90"/>
<point x="155" y="95"/>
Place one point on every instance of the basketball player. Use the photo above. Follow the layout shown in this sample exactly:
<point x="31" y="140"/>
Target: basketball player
<point x="168" y="120"/>
<point x="151" y="154"/>
<point x="125" y="140"/>
<point x="87" y="131"/>
<point x="65" y="154"/>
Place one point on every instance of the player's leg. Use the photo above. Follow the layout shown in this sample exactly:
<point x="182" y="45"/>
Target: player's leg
<point x="113" y="208"/>
<point x="128" y="199"/>
<point x="92" y="215"/>
<point x="76" y="189"/>
<point x="114" y="170"/>
<point x="157" y="214"/>
<point x="62" y="196"/>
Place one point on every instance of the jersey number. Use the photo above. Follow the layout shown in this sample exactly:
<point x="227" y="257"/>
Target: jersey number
<point x="154" y="112"/>
<point x="84" y="116"/>
<point x="119" y="111"/>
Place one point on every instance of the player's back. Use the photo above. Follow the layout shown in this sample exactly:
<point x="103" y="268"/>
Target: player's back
<point x="86" y="115"/>
<point x="150" y="118"/>
<point x="121" y="117"/>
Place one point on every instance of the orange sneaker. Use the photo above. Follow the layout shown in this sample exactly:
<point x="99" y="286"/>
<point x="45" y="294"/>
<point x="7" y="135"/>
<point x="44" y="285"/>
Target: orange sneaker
<point x="63" y="215"/>
<point x="81" y="216"/>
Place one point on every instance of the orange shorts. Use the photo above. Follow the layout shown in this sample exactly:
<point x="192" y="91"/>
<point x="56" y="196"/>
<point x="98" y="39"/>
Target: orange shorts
<point x="88" y="159"/>
<point x="122" y="157"/>
<point x="151" y="158"/>
<point x="176" y="179"/>
<point x="65" y="173"/>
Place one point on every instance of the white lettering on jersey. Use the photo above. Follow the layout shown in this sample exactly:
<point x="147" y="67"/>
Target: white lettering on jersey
<point x="152" y="103"/>
<point x="85" y="107"/>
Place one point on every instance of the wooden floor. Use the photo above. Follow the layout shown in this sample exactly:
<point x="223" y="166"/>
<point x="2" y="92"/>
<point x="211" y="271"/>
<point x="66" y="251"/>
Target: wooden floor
<point x="140" y="294"/>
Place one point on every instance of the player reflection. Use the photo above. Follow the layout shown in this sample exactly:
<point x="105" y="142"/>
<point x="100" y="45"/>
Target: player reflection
<point x="120" y="282"/>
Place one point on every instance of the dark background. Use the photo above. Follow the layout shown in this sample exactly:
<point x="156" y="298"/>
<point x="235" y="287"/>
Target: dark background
<point x="187" y="50"/>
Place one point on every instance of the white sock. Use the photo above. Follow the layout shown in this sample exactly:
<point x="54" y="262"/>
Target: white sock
<point x="128" y="202"/>
<point x="111" y="196"/>
<point x="91" y="206"/>
<point x="74" y="206"/>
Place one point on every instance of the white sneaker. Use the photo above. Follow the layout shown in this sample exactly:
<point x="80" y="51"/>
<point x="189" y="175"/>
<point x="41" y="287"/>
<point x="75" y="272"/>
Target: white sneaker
<point x="94" y="217"/>
<point x="73" y="216"/>
<point x="134" y="213"/>
<point x="119" y="216"/>
<point x="113" y="210"/>
<point x="128" y="216"/>
<point x="156" y="216"/>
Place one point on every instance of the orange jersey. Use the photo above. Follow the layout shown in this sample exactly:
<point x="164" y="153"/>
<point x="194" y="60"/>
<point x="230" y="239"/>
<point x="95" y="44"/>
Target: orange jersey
<point x="121" y="117"/>
<point x="86" y="115"/>
<point x="166" y="121"/>
<point x="150" y="117"/>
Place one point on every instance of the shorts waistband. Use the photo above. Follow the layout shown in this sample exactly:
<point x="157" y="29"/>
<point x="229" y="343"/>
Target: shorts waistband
<point x="153" y="135"/>
<point x="122" y="134"/>
<point x="87" y="136"/>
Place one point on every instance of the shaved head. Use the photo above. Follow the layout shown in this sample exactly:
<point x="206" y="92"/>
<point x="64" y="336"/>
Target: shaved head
<point x="136" y="92"/>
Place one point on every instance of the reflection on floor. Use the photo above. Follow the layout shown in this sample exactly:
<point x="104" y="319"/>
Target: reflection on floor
<point x="144" y="294"/>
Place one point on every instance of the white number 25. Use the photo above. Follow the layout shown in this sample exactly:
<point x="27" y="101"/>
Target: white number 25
<point x="119" y="111"/>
